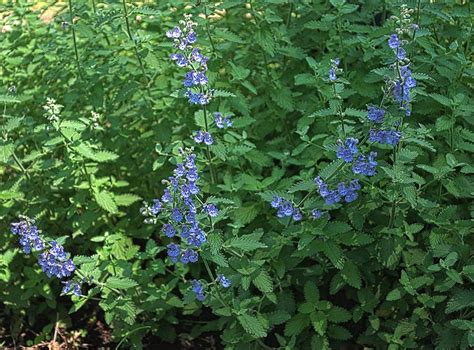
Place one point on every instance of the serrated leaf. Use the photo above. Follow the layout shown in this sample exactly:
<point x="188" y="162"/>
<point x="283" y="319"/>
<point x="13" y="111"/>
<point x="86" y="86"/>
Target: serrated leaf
<point x="296" y="325"/>
<point x="6" y="151"/>
<point x="252" y="325"/>
<point x="126" y="199"/>
<point x="105" y="156"/>
<point x="338" y="314"/>
<point x="330" y="169"/>
<point x="246" y="242"/>
<point x="263" y="282"/>
<point x="311" y="292"/>
<point x="351" y="274"/>
<point x="106" y="201"/>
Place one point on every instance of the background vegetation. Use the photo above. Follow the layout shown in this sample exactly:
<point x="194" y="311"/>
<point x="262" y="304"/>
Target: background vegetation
<point x="393" y="269"/>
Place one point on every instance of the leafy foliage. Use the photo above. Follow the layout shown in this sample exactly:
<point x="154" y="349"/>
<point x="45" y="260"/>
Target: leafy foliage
<point x="392" y="269"/>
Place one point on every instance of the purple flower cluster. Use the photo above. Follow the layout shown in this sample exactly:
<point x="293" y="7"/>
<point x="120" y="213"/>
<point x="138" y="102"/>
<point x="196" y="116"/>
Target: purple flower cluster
<point x="365" y="165"/>
<point x="198" y="290"/>
<point x="178" y="207"/>
<point x="222" y="122"/>
<point x="203" y="136"/>
<point x="225" y="282"/>
<point x="187" y="56"/>
<point x="286" y="208"/>
<point x="53" y="259"/>
<point x="348" y="192"/>
<point x="376" y="114"/>
<point x="402" y="87"/>
<point x="385" y="137"/>
<point x="334" y="69"/>
<point x="347" y="150"/>
<point x="405" y="82"/>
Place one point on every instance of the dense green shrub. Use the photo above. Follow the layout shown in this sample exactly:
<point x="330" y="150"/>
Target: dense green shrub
<point x="392" y="269"/>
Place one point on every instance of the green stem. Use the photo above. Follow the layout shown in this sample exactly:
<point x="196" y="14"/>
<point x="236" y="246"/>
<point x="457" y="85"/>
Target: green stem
<point x="339" y="111"/>
<point x="18" y="162"/>
<point x="74" y="40"/>
<point x="208" y="30"/>
<point x="135" y="46"/>
<point x="209" y="157"/>
<point x="417" y="19"/>
<point x="211" y="275"/>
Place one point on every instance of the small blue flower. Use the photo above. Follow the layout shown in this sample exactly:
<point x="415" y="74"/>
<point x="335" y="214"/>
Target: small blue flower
<point x="332" y="74"/>
<point x="316" y="213"/>
<point x="401" y="54"/>
<point x="198" y="290"/>
<point x="199" y="137"/>
<point x="285" y="208"/>
<point x="191" y="38"/>
<point x="393" y="41"/>
<point x="225" y="282"/>
<point x="176" y="215"/>
<point x="167" y="197"/>
<point x="208" y="140"/>
<point x="169" y="230"/>
<point x="156" y="207"/>
<point x="174" y="252"/>
<point x="222" y="122"/>
<point x="211" y="210"/>
<point x="174" y="33"/>
<point x="297" y="216"/>
<point x="189" y="256"/>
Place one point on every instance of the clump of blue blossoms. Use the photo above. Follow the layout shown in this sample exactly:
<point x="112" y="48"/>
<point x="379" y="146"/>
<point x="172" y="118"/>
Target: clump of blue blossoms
<point x="198" y="289"/>
<point x="203" y="136"/>
<point x="405" y="82"/>
<point x="286" y="208"/>
<point x="385" y="137"/>
<point x="334" y="69"/>
<point x="343" y="191"/>
<point x="53" y="259"/>
<point x="188" y="56"/>
<point x="365" y="165"/>
<point x="178" y="207"/>
<point x="376" y="114"/>
<point x="222" y="122"/>
<point x="346" y="151"/>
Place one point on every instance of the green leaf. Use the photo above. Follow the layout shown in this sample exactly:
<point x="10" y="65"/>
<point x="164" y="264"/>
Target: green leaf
<point x="296" y="325"/>
<point x="105" y="156"/>
<point x="246" y="242"/>
<point x="126" y="199"/>
<point x="311" y="292"/>
<point x="333" y="253"/>
<point x="330" y="169"/>
<point x="6" y="151"/>
<point x="338" y="314"/>
<point x="106" y="201"/>
<point x="263" y="282"/>
<point x="121" y="283"/>
<point x="350" y="273"/>
<point x="252" y="325"/>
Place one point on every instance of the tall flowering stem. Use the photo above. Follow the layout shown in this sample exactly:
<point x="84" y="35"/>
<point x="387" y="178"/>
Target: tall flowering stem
<point x="196" y="82"/>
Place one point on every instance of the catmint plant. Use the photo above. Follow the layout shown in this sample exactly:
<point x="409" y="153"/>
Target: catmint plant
<point x="52" y="258"/>
<point x="184" y="215"/>
<point x="354" y="161"/>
